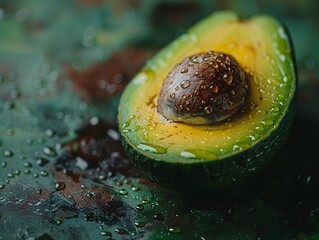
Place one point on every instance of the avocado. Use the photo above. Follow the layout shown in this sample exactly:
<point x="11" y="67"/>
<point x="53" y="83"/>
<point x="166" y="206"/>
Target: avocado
<point x="213" y="107"/>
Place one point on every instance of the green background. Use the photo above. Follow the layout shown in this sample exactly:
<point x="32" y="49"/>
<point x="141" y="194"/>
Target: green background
<point x="63" y="172"/>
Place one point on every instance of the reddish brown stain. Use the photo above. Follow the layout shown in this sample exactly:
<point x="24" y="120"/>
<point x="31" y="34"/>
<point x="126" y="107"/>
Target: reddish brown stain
<point x="108" y="78"/>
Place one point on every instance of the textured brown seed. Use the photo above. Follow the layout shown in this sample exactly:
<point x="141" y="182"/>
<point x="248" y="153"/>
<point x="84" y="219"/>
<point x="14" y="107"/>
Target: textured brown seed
<point x="213" y="88"/>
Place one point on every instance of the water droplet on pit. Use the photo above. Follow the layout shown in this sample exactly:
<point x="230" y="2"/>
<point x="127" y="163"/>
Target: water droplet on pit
<point x="185" y="84"/>
<point x="184" y="70"/>
<point x="199" y="74"/>
<point x="214" y="89"/>
<point x="208" y="109"/>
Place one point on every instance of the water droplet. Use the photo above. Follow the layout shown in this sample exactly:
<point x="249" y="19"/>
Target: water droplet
<point x="3" y="164"/>
<point x="172" y="95"/>
<point x="198" y="153"/>
<point x="29" y="141"/>
<point x="268" y="122"/>
<point x="152" y="148"/>
<point x="139" y="207"/>
<point x="59" y="222"/>
<point x="49" y="132"/>
<point x="10" y="175"/>
<point x="44" y="173"/>
<point x="185" y="84"/>
<point x="9" y="105"/>
<point x="177" y="88"/>
<point x="199" y="74"/>
<point x="214" y="64"/>
<point x="120" y="231"/>
<point x="214" y="88"/>
<point x="94" y="120"/>
<point x="50" y="152"/>
<point x="158" y="216"/>
<point x="123" y="191"/>
<point x="106" y="234"/>
<point x="102" y="177"/>
<point x="17" y="172"/>
<point x="7" y="153"/>
<point x="275" y="110"/>
<point x="208" y="109"/>
<point x="59" y="186"/>
<point x="228" y="79"/>
<point x="184" y="70"/>
<point x="135" y="189"/>
<point x="89" y="194"/>
<point x="308" y="179"/>
<point x="42" y="162"/>
<point x="27" y="165"/>
<point x="35" y="175"/>
<point x="175" y="230"/>
<point x="186" y="154"/>
<point x="27" y="171"/>
<point x="260" y="128"/>
<point x="139" y="224"/>
<point x="2" y="186"/>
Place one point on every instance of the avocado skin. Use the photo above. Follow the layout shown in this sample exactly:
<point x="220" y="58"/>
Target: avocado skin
<point x="218" y="174"/>
<point x="224" y="174"/>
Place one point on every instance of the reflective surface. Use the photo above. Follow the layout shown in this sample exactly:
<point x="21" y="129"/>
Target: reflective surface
<point x="63" y="172"/>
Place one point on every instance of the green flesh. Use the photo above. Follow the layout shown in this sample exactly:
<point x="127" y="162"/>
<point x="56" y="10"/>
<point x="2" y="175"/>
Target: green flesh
<point x="231" y="151"/>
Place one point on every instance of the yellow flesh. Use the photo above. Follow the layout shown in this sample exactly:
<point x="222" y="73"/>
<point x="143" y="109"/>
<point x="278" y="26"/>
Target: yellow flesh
<point x="261" y="48"/>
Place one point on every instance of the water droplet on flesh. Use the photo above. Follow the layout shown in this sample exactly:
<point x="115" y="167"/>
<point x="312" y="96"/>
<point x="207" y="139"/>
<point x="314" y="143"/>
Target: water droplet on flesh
<point x="152" y="148"/>
<point x="175" y="230"/>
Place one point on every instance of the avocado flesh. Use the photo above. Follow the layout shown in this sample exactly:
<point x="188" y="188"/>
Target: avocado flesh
<point x="262" y="48"/>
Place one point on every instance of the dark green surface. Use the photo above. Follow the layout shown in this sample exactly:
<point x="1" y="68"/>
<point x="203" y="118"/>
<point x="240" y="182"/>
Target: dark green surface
<point x="43" y="116"/>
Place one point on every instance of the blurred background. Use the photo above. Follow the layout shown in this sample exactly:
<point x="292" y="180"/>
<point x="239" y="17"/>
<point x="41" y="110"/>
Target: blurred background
<point x="63" y="172"/>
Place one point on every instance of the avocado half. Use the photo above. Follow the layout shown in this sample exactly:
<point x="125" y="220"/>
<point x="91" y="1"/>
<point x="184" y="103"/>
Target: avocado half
<point x="207" y="157"/>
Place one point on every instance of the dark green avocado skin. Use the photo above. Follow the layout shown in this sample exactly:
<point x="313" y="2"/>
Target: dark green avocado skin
<point x="224" y="174"/>
<point x="213" y="175"/>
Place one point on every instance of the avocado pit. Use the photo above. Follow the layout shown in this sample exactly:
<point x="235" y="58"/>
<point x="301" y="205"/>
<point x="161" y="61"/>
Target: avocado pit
<point x="205" y="88"/>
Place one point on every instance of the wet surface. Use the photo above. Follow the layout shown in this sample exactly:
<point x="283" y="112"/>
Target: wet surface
<point x="63" y="171"/>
